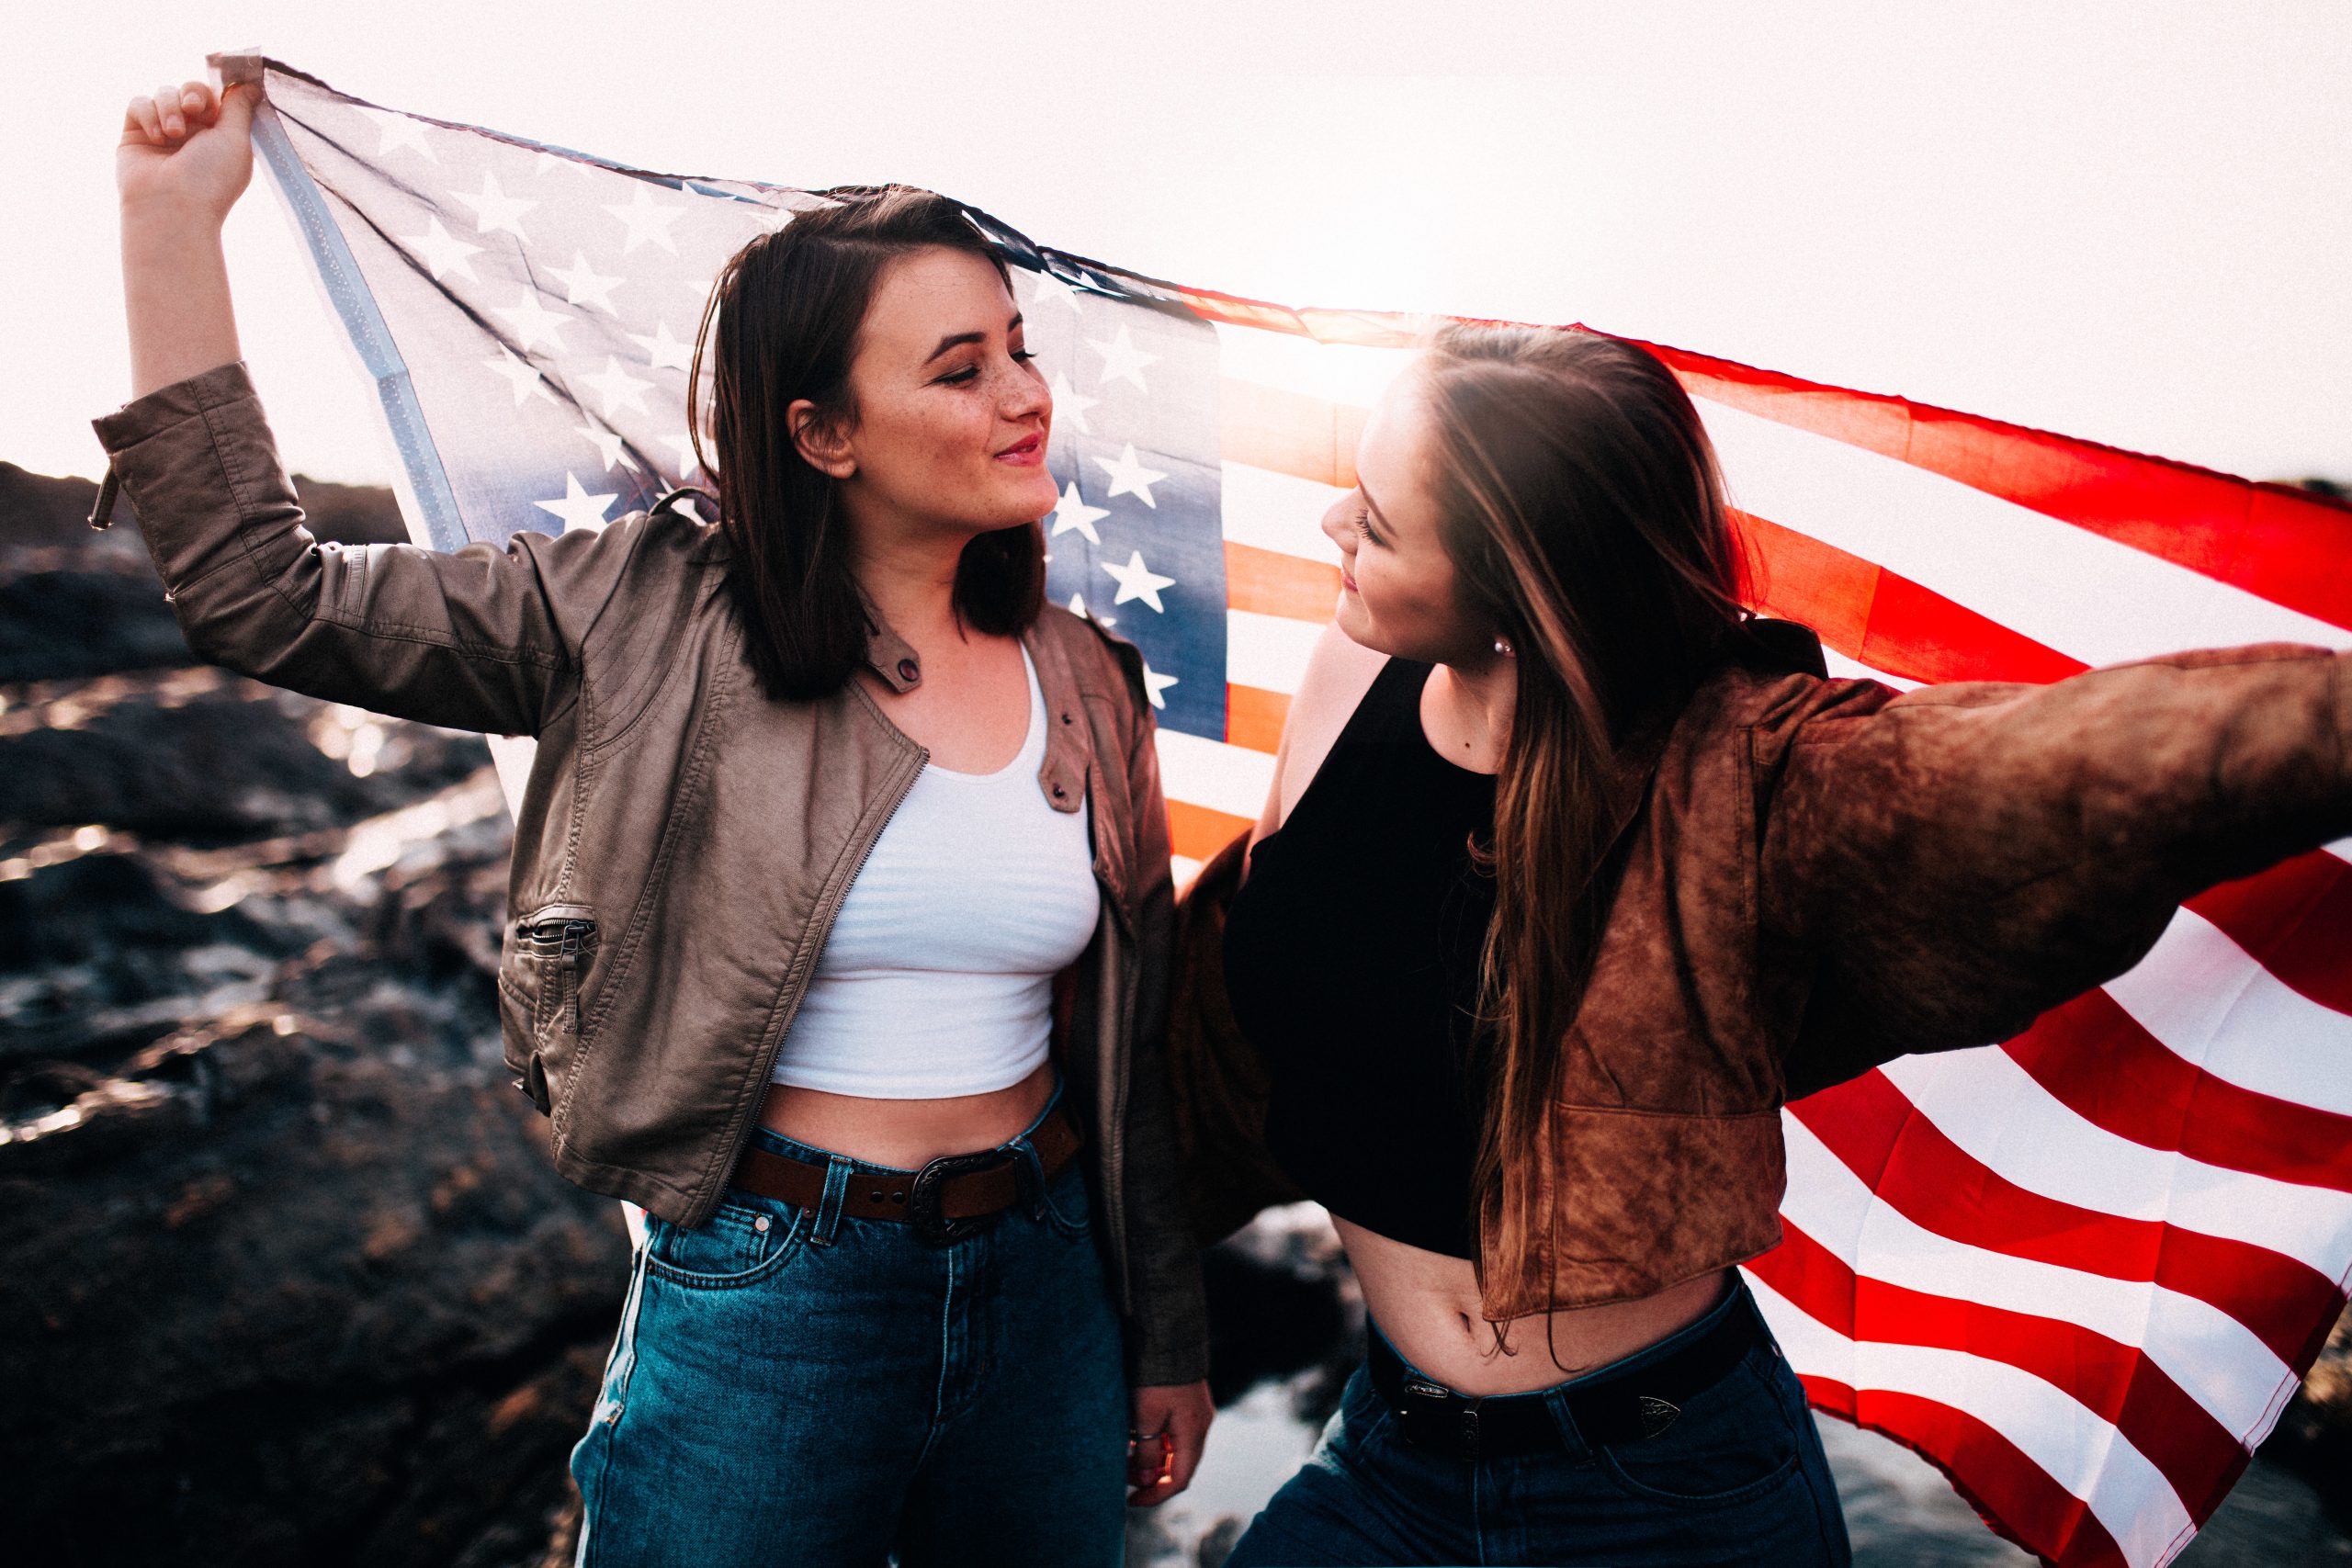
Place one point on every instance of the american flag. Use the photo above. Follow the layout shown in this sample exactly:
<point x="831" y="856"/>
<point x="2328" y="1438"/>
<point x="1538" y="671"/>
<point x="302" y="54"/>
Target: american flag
<point x="2082" y="1270"/>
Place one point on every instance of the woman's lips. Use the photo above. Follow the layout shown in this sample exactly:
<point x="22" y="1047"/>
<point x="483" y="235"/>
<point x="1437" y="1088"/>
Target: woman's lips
<point x="1025" y="454"/>
<point x="1346" y="581"/>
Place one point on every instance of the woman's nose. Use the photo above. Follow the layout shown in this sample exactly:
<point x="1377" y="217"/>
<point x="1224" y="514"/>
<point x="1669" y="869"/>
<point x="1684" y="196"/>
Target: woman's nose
<point x="1337" y="528"/>
<point x="1025" y="395"/>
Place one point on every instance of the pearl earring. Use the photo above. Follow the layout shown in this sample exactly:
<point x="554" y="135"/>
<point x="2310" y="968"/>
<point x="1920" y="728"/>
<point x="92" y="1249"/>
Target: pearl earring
<point x="1503" y="647"/>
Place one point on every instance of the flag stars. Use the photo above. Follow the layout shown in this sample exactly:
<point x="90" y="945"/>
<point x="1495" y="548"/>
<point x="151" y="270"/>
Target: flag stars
<point x="520" y="376"/>
<point x="494" y="210"/>
<point x="608" y="442"/>
<point x="577" y="507"/>
<point x="533" y="322"/>
<point x="666" y="352"/>
<point x="1071" y="404"/>
<point x="1044" y="286"/>
<point x="1138" y="580"/>
<point x="442" y="250"/>
<point x="1077" y="608"/>
<point x="619" y="388"/>
<point x="583" y="285"/>
<point x="1073" y="513"/>
<point x="1130" y="478"/>
<point x="1122" y="360"/>
<point x="396" y="132"/>
<point x="647" y="220"/>
<point x="1154" y="684"/>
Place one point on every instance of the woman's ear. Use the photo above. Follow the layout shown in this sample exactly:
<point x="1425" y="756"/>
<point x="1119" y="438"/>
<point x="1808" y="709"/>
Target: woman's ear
<point x="823" y="444"/>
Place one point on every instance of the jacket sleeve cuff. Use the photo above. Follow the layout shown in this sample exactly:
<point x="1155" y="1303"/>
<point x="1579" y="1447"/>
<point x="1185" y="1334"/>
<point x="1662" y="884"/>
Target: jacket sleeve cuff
<point x="167" y="406"/>
<point x="1168" y="1365"/>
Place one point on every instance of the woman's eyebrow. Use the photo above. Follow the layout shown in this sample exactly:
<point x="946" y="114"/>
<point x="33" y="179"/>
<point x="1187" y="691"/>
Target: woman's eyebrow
<point x="957" y="339"/>
<point x="1371" y="505"/>
<point x="954" y="339"/>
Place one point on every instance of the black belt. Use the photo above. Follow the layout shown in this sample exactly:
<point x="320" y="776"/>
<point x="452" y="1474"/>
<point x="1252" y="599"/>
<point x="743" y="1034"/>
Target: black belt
<point x="1621" y="1408"/>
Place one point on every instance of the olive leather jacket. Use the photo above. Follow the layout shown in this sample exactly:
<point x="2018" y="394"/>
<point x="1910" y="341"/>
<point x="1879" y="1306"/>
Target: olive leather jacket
<point x="684" y="842"/>
<point x="1820" y="876"/>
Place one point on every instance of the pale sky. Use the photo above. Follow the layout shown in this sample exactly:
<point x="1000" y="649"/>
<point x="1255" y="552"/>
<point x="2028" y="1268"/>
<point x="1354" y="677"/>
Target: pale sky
<point x="2130" y="222"/>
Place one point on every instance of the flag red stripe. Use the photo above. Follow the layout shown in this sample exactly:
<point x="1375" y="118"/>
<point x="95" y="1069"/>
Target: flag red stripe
<point x="2114" y="1381"/>
<point x="1288" y="433"/>
<point x="1908" y="1162"/>
<point x="1271" y="583"/>
<point x="1197" y="832"/>
<point x="1253" y="717"/>
<point x="1886" y="621"/>
<point x="2016" y="1496"/>
<point x="2275" y="541"/>
<point x="2296" y="918"/>
<point x="2097" y="1060"/>
<point x="2280" y="543"/>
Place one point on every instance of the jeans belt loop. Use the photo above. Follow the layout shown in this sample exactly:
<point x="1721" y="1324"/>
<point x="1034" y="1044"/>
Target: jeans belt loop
<point x="838" y="1169"/>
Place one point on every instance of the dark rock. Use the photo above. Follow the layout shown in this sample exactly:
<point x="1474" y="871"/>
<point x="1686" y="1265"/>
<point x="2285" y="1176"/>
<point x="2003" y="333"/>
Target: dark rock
<point x="286" y="1275"/>
<point x="201" y="756"/>
<point x="2313" y="1436"/>
<point x="1268" y="1318"/>
<point x="59" y="624"/>
<point x="75" y="603"/>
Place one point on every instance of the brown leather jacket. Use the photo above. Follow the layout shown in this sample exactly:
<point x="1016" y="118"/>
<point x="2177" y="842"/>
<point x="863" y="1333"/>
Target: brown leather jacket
<point x="682" y="844"/>
<point x="1821" y="875"/>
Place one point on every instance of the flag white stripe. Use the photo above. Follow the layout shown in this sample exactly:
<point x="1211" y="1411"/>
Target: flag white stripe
<point x="1845" y="668"/>
<point x="1342" y="373"/>
<point x="2072" y="1446"/>
<point x="2207" y="998"/>
<point x="1993" y="1110"/>
<point x="1268" y="651"/>
<point x="1277" y="512"/>
<point x="2217" y="1361"/>
<point x="1231" y="779"/>
<point x="2065" y="587"/>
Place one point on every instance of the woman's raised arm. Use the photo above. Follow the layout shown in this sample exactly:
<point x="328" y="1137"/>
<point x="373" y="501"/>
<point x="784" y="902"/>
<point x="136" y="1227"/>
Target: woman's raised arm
<point x="185" y="157"/>
<point x="481" y="638"/>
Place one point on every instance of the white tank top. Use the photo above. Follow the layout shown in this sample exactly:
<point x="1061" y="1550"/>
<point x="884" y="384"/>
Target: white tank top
<point x="936" y="978"/>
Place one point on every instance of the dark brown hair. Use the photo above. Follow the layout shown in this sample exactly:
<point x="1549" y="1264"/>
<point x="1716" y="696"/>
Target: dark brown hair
<point x="1579" y="500"/>
<point x="783" y="323"/>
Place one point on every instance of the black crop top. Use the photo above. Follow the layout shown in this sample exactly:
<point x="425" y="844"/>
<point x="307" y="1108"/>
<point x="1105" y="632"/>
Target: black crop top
<point x="1352" y="959"/>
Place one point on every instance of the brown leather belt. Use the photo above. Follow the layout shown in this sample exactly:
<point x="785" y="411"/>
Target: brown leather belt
<point x="950" y="1198"/>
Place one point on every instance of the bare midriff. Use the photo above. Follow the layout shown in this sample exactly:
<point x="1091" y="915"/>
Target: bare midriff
<point x="1427" y="1303"/>
<point x="906" y="1134"/>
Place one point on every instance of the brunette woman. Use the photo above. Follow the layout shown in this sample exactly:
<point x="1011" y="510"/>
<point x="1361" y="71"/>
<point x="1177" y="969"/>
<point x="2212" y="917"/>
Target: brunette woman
<point x="1570" y="875"/>
<point x="828" y="811"/>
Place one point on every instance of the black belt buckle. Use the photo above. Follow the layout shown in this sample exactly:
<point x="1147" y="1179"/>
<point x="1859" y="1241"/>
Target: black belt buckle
<point x="923" y="1198"/>
<point x="1434" y="1416"/>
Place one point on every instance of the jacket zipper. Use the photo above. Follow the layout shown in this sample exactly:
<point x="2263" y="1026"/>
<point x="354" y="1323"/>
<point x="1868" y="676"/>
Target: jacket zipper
<point x="796" y="986"/>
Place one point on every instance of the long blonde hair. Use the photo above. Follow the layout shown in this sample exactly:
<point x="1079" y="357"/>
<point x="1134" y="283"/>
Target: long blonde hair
<point x="1581" y="504"/>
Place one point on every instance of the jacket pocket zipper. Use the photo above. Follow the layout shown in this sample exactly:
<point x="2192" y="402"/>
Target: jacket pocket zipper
<point x="564" y="938"/>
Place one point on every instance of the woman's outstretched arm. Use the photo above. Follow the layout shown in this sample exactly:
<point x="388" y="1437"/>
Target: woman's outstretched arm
<point x="1963" y="858"/>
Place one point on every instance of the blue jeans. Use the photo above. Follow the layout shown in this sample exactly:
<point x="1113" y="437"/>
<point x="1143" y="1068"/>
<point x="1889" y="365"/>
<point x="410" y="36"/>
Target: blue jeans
<point x="803" y="1387"/>
<point x="1738" y="1478"/>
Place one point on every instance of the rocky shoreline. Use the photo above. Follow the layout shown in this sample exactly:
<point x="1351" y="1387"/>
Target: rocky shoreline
<point x="285" y="1275"/>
